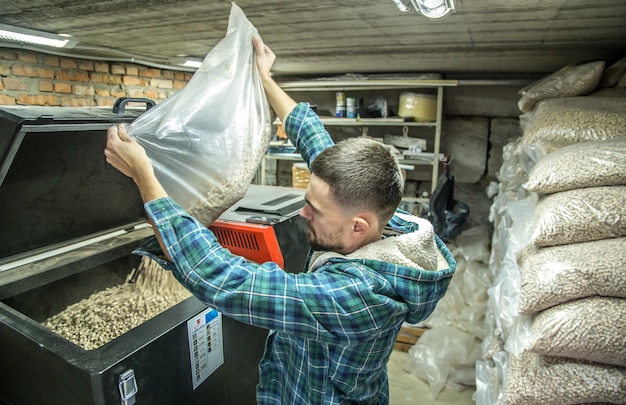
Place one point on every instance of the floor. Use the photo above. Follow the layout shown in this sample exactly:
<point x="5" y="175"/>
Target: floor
<point x="405" y="388"/>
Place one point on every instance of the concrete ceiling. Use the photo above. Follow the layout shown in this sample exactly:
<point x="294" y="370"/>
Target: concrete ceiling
<point x="483" y="37"/>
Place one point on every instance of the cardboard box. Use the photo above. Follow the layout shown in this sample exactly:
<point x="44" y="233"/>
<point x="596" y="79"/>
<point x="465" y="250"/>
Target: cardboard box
<point x="300" y="175"/>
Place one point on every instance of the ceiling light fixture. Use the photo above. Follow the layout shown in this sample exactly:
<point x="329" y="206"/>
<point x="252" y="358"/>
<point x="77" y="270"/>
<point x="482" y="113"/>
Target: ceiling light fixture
<point x="192" y="63"/>
<point x="429" y="8"/>
<point x="401" y="6"/>
<point x="433" y="8"/>
<point x="21" y="35"/>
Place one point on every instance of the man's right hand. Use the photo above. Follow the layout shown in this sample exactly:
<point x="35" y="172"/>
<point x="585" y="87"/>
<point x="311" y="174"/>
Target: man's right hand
<point x="264" y="57"/>
<point x="278" y="99"/>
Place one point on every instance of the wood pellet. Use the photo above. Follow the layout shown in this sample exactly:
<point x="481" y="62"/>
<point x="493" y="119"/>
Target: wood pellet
<point x="107" y="314"/>
<point x="576" y="119"/>
<point x="580" y="215"/>
<point x="590" y="329"/>
<point x="219" y="197"/>
<point x="550" y="380"/>
<point x="586" y="164"/>
<point x="557" y="274"/>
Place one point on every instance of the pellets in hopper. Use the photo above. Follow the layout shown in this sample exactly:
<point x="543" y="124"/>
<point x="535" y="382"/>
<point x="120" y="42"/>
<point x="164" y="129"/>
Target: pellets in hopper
<point x="105" y="315"/>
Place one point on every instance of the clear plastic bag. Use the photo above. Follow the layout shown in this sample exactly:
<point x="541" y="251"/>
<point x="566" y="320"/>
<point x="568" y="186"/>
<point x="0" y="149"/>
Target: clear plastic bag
<point x="580" y="215"/>
<point x="489" y="379"/>
<point x="569" y="81"/>
<point x="557" y="274"/>
<point x="590" y="328"/>
<point x="585" y="164"/>
<point x="567" y="120"/>
<point x="208" y="139"/>
<point x="445" y="357"/>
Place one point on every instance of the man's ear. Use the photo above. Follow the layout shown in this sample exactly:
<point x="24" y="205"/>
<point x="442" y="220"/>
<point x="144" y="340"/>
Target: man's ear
<point x="361" y="226"/>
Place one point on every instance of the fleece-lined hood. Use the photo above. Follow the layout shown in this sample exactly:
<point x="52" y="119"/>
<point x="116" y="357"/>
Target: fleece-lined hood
<point x="415" y="249"/>
<point x="420" y="258"/>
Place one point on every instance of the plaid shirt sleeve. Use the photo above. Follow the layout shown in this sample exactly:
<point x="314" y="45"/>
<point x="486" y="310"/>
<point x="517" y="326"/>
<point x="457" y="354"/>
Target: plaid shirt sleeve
<point x="306" y="132"/>
<point x="323" y="306"/>
<point x="320" y="305"/>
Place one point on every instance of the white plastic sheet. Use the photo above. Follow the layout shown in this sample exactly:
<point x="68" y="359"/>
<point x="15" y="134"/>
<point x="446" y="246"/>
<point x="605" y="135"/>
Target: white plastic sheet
<point x="445" y="355"/>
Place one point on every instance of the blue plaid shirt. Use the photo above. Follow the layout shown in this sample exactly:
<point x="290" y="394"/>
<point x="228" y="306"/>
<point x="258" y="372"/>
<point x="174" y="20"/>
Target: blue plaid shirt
<point x="332" y="330"/>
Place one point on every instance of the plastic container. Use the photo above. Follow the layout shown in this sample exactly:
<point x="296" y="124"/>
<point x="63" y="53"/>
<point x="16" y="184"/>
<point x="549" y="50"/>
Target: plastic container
<point x="421" y="107"/>
<point x="340" y="110"/>
<point x="350" y="107"/>
<point x="300" y="175"/>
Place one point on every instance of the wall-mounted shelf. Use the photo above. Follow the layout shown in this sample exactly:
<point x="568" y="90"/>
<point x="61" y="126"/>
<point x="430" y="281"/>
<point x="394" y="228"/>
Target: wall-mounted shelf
<point x="368" y="85"/>
<point x="372" y="122"/>
<point x="364" y="84"/>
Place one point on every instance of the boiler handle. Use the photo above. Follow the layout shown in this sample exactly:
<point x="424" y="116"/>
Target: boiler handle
<point x="120" y="104"/>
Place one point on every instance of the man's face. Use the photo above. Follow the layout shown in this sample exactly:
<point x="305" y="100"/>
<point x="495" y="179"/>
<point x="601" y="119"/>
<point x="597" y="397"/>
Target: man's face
<point x="328" y="228"/>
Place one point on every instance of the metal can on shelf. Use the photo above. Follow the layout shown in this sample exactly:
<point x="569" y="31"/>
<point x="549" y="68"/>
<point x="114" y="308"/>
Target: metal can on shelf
<point x="351" y="107"/>
<point x="340" y="110"/>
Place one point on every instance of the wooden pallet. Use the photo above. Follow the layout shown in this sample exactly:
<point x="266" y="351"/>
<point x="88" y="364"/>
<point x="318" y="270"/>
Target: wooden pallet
<point x="408" y="336"/>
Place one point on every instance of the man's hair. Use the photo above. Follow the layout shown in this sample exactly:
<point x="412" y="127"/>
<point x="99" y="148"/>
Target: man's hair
<point x="363" y="174"/>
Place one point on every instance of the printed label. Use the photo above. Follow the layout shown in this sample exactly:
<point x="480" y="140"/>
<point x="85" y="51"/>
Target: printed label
<point x="206" y="347"/>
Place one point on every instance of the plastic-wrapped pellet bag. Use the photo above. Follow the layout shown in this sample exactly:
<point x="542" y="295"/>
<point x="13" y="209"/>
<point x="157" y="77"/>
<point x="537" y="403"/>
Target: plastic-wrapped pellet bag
<point x="559" y="122"/>
<point x="569" y="81"/>
<point x="580" y="215"/>
<point x="586" y="164"/>
<point x="557" y="274"/>
<point x="592" y="328"/>
<point x="208" y="139"/>
<point x="613" y="73"/>
<point x="549" y="380"/>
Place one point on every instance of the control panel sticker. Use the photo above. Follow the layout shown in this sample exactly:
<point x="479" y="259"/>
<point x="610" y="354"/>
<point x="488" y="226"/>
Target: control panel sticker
<point x="206" y="347"/>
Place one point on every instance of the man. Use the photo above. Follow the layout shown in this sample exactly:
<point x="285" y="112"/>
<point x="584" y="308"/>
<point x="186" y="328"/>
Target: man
<point x="333" y="326"/>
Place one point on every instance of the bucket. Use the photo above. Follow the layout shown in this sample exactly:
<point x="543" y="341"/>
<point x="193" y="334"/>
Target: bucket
<point x="421" y="107"/>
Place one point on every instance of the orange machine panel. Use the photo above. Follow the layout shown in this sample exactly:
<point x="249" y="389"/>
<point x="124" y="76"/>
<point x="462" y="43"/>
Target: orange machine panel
<point x="255" y="242"/>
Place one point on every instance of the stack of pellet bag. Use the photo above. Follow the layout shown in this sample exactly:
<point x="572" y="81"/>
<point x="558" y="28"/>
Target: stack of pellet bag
<point x="556" y="314"/>
<point x="573" y="272"/>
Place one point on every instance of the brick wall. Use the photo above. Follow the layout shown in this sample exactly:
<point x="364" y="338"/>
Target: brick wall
<point x="32" y="78"/>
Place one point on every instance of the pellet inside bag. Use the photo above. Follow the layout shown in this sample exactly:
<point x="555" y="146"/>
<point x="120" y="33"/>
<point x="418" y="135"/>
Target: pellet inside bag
<point x="549" y="380"/>
<point x="580" y="215"/>
<point x="613" y="73"/>
<point x="562" y="121"/>
<point x="592" y="328"/>
<point x="585" y="164"/>
<point x="568" y="81"/>
<point x="557" y="274"/>
<point x="208" y="139"/>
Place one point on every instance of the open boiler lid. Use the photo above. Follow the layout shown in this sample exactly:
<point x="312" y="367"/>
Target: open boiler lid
<point x="56" y="187"/>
